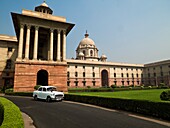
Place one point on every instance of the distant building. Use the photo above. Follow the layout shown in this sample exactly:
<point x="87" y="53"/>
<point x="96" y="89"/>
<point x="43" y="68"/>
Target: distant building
<point x="37" y="56"/>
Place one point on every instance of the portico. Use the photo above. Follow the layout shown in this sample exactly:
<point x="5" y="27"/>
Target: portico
<point x="42" y="46"/>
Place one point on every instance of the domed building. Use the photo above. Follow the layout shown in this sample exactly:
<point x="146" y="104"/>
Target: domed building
<point x="88" y="48"/>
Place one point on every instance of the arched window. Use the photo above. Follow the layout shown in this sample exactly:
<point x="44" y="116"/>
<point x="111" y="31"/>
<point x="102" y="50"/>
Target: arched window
<point x="91" y="52"/>
<point x="84" y="52"/>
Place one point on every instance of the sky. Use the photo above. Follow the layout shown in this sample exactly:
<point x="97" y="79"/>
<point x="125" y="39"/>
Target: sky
<point x="127" y="31"/>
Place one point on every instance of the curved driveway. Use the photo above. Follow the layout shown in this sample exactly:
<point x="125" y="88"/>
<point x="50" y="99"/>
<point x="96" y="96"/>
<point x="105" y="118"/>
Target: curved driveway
<point x="70" y="115"/>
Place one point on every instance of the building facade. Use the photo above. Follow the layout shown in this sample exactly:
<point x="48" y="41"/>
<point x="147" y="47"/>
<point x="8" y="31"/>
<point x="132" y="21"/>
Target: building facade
<point x="37" y="56"/>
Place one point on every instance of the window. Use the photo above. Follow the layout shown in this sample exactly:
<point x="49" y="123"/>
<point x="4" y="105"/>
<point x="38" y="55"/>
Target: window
<point x="84" y="83"/>
<point x="161" y="67"/>
<point x="128" y="82"/>
<point x="68" y="83"/>
<point x="68" y="74"/>
<point x="126" y="68"/>
<point x="115" y="82"/>
<point x="114" y="74"/>
<point x="40" y="89"/>
<point x="83" y="67"/>
<point x="9" y="49"/>
<point x="121" y="68"/>
<point x="76" y="66"/>
<point x="94" y="83"/>
<point x="76" y="83"/>
<point x="137" y="75"/>
<point x="122" y="82"/>
<point x="162" y="74"/>
<point x="84" y="52"/>
<point x="114" y="68"/>
<point x="132" y="75"/>
<point x="76" y="74"/>
<point x="127" y="75"/>
<point x="93" y="74"/>
<point x="84" y="74"/>
<point x="91" y="52"/>
<point x="122" y="74"/>
<point x="93" y="68"/>
<point x="44" y="89"/>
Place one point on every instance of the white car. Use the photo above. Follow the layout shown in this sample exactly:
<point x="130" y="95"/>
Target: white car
<point x="48" y="93"/>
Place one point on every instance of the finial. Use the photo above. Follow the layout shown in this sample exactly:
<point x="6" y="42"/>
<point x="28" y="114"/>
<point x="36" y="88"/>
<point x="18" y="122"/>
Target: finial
<point x="44" y="1"/>
<point x="86" y="35"/>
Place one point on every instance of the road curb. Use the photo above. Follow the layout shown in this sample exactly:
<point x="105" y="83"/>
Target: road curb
<point x="28" y="122"/>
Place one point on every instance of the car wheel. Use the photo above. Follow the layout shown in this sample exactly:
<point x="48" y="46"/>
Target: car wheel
<point x="35" y="97"/>
<point x="48" y="99"/>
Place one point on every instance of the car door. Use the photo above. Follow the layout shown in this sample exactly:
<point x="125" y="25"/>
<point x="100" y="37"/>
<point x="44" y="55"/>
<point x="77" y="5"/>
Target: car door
<point x="39" y="93"/>
<point x="44" y="93"/>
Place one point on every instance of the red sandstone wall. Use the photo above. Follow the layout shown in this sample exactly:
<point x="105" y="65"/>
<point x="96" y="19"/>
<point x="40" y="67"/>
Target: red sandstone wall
<point x="26" y="75"/>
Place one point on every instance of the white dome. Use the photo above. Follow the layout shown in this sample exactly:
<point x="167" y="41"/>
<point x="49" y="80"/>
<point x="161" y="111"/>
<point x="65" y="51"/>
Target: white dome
<point x="87" y="41"/>
<point x="103" y="56"/>
<point x="81" y="54"/>
<point x="44" y="4"/>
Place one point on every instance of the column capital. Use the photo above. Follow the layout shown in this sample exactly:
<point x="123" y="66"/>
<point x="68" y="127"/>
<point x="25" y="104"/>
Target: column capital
<point x="28" y="26"/>
<point x="36" y="27"/>
<point x="64" y="31"/>
<point x="58" y="30"/>
<point x="22" y="25"/>
<point x="51" y="29"/>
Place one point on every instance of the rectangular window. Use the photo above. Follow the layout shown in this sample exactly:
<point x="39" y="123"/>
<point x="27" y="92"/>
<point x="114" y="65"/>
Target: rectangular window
<point x="68" y="83"/>
<point x="84" y="83"/>
<point x="84" y="74"/>
<point x="114" y="74"/>
<point x="122" y="74"/>
<point x="83" y="67"/>
<point x="93" y="74"/>
<point x="76" y="66"/>
<point x="94" y="83"/>
<point x="127" y="75"/>
<point x="76" y="74"/>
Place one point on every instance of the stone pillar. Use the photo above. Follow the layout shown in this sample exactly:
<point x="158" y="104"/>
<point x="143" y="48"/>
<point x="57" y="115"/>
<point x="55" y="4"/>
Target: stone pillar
<point x="64" y="45"/>
<point x="35" y="43"/>
<point x="27" y="46"/>
<point x="58" y="45"/>
<point x="51" y="44"/>
<point x="20" y="48"/>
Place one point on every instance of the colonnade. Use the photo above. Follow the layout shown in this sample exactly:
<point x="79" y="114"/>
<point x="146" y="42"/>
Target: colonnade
<point x="35" y="49"/>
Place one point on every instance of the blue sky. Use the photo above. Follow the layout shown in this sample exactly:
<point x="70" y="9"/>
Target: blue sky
<point x="130" y="31"/>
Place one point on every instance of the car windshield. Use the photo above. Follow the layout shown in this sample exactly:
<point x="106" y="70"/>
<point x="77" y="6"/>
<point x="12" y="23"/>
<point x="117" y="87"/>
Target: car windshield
<point x="51" y="89"/>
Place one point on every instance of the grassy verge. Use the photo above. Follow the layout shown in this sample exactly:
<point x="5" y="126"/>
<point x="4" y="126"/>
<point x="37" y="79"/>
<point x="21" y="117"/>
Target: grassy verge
<point x="150" y="95"/>
<point x="12" y="115"/>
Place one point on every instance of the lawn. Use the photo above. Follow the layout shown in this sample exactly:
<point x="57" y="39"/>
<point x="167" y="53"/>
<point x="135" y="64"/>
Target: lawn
<point x="151" y="95"/>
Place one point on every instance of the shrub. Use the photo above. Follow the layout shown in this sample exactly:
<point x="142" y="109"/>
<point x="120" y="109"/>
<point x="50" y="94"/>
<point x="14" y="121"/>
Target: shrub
<point x="113" y="86"/>
<point x="36" y="87"/>
<point x="165" y="95"/>
<point x="12" y="115"/>
<point x="9" y="90"/>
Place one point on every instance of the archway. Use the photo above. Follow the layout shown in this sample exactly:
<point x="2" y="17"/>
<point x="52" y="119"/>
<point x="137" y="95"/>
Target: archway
<point x="42" y="77"/>
<point x="104" y="76"/>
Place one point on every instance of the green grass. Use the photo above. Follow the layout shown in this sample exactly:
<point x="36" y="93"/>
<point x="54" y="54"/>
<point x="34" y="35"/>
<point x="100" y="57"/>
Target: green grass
<point x="151" y="95"/>
<point x="12" y="115"/>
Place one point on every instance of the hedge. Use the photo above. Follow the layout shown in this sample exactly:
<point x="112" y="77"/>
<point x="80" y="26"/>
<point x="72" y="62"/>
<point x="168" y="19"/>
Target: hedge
<point x="12" y="117"/>
<point x="108" y="89"/>
<point x="1" y="113"/>
<point x="156" y="109"/>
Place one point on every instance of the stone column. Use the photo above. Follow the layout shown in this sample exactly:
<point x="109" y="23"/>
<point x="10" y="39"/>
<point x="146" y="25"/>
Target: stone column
<point x="20" y="48"/>
<point x="51" y="44"/>
<point x="27" y="46"/>
<point x="58" y="45"/>
<point x="35" y="43"/>
<point x="64" y="45"/>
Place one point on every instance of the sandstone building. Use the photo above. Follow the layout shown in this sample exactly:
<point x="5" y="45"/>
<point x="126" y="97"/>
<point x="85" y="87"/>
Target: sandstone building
<point x="37" y="56"/>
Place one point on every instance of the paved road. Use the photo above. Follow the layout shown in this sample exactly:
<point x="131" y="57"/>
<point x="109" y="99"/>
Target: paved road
<point x="71" y="115"/>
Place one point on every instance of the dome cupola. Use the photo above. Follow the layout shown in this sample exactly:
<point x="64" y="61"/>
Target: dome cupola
<point x="88" y="48"/>
<point x="43" y="8"/>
